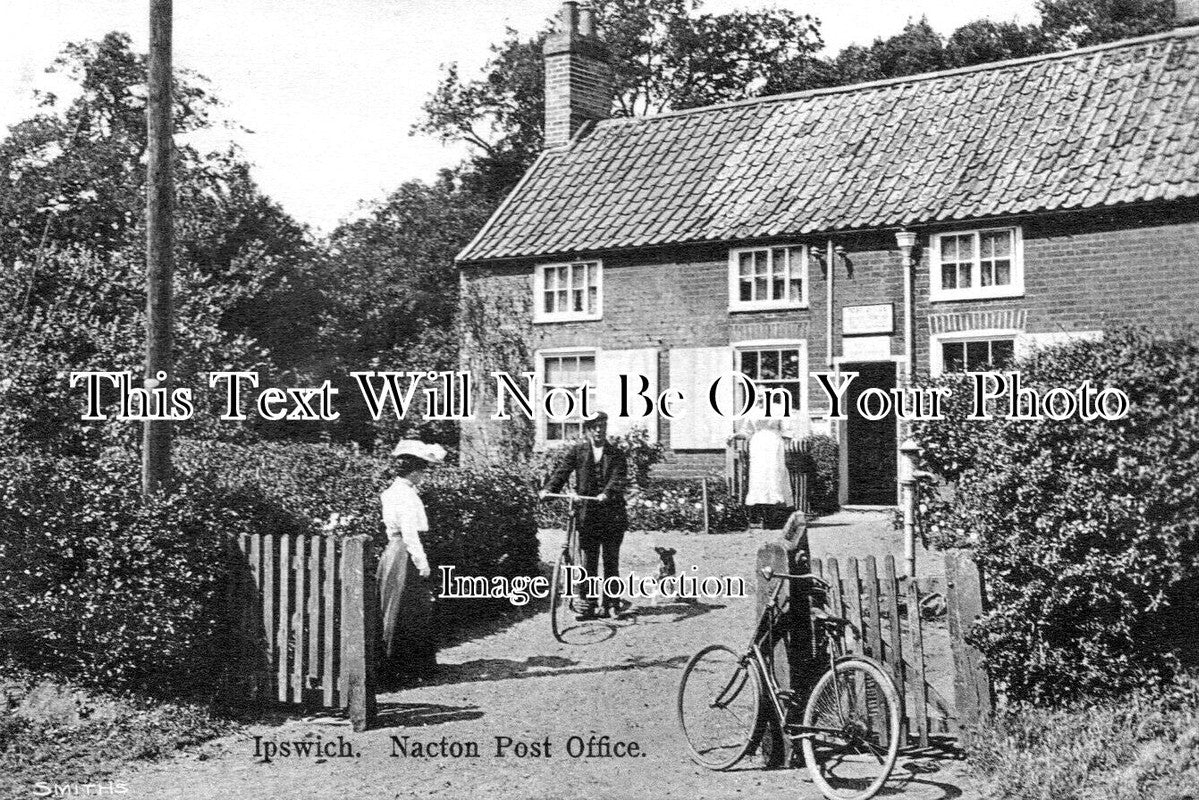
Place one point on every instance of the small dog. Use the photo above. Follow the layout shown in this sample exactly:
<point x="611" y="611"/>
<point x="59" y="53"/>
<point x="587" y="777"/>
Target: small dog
<point x="665" y="569"/>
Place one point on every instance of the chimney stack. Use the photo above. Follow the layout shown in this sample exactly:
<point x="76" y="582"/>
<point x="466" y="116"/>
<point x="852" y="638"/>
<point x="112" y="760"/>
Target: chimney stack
<point x="1186" y="12"/>
<point x="578" y="75"/>
<point x="587" y="21"/>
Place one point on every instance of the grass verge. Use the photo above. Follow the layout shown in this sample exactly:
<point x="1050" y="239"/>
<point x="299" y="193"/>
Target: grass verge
<point x="56" y="733"/>
<point x="1144" y="747"/>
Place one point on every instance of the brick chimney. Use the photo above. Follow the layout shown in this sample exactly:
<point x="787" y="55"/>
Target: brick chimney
<point x="578" y="75"/>
<point x="1186" y="12"/>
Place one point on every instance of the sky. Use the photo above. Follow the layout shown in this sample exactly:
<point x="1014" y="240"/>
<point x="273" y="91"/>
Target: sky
<point x="328" y="90"/>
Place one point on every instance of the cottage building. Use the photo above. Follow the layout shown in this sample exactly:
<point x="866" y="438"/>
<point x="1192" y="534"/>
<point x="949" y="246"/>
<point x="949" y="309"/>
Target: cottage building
<point x="931" y="222"/>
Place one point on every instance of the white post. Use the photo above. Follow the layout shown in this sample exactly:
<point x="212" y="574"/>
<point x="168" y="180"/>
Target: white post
<point x="906" y="240"/>
<point x="909" y="453"/>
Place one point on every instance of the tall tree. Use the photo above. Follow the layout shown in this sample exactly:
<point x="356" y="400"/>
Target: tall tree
<point x="73" y="177"/>
<point x="393" y="273"/>
<point x="85" y="313"/>
<point x="393" y="289"/>
<point x="1079" y="23"/>
<point x="74" y="173"/>
<point x="72" y="197"/>
<point x="984" y="41"/>
<point x="917" y="48"/>
<point x="666" y="54"/>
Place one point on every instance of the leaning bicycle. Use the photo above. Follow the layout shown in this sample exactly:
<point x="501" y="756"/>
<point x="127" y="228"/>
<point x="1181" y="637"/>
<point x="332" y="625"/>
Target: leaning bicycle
<point x="561" y="612"/>
<point x="848" y="729"/>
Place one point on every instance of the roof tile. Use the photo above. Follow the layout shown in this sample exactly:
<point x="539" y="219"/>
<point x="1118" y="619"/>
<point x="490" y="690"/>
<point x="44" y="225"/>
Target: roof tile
<point x="1113" y="124"/>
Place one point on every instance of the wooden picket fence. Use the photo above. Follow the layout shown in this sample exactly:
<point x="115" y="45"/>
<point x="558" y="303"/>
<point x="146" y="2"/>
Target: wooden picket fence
<point x="885" y="611"/>
<point x="798" y="460"/>
<point x="307" y="608"/>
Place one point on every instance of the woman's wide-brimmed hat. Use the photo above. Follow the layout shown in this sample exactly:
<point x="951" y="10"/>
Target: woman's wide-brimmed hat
<point x="433" y="453"/>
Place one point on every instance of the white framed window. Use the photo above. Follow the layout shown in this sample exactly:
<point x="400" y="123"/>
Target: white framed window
<point x="568" y="292"/>
<point x="776" y="364"/>
<point x="573" y="371"/>
<point x="971" y="264"/>
<point x="975" y="351"/>
<point x="763" y="278"/>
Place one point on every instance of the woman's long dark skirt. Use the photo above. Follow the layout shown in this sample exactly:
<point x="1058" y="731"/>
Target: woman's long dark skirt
<point x="409" y="641"/>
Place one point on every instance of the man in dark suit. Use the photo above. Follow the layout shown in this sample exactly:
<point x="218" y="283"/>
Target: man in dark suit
<point x="600" y="470"/>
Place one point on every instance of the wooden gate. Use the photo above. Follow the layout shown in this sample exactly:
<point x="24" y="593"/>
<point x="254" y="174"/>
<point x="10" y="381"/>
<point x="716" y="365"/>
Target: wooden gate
<point x="887" y="625"/>
<point x="306" y="605"/>
<point x="885" y="612"/>
<point x="972" y="690"/>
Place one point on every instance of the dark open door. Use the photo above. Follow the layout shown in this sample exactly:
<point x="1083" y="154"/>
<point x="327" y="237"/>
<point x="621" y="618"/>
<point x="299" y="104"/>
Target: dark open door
<point x="870" y="444"/>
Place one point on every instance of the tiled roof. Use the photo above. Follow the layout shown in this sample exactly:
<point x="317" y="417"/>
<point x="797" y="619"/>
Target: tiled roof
<point x="1102" y="126"/>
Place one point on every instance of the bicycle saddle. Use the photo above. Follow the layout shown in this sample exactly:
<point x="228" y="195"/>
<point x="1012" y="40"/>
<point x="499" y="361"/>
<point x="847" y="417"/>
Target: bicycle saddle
<point x="830" y="623"/>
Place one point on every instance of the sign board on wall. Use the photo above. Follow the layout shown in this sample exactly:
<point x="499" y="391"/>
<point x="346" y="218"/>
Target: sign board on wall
<point x="867" y="319"/>
<point x="866" y="348"/>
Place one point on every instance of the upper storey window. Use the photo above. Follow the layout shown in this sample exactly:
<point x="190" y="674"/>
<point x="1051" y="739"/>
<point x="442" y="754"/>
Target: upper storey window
<point x="762" y="278"/>
<point x="967" y="265"/>
<point x="565" y="292"/>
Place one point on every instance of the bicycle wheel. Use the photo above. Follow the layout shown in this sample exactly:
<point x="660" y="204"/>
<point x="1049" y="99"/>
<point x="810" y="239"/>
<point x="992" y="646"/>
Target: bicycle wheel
<point x="560" y="612"/>
<point x="719" y="704"/>
<point x="856" y="706"/>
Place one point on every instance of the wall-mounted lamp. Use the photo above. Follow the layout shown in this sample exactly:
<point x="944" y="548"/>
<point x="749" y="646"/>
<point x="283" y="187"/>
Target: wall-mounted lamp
<point x="818" y="255"/>
<point x="838" y="253"/>
<point x="843" y="257"/>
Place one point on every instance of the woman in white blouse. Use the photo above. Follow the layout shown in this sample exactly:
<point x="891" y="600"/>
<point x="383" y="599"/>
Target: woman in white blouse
<point x="769" y="481"/>
<point x="410" y="646"/>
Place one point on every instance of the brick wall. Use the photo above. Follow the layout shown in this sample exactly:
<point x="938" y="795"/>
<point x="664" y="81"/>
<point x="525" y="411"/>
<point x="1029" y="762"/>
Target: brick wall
<point x="1082" y="271"/>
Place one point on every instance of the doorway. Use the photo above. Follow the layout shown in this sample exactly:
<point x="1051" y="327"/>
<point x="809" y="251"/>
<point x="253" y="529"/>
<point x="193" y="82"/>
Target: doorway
<point x="870" y="444"/>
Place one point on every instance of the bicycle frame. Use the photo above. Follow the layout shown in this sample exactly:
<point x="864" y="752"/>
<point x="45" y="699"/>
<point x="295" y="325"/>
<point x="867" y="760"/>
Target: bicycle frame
<point x="847" y="720"/>
<point x="764" y="665"/>
<point x="572" y="533"/>
<point x="570" y="546"/>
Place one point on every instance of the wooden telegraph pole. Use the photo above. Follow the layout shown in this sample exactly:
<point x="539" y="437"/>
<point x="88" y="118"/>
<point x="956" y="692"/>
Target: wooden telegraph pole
<point x="156" y="439"/>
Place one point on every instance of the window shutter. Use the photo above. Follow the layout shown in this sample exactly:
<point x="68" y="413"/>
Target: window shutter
<point x="692" y="371"/>
<point x="610" y="365"/>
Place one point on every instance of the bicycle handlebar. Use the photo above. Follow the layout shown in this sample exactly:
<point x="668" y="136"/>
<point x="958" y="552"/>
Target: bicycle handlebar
<point x="583" y="497"/>
<point x="769" y="574"/>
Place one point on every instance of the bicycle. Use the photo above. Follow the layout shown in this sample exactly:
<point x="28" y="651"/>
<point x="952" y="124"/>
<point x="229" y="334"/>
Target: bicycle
<point x="849" y="728"/>
<point x="560" y="597"/>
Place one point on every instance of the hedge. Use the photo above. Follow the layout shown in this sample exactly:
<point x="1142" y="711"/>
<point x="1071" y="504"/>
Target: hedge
<point x="823" y="463"/>
<point x="1087" y="532"/>
<point x="677" y="504"/>
<point x="98" y="586"/>
<point x="480" y="519"/>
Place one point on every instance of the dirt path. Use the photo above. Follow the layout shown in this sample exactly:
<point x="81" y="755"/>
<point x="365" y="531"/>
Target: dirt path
<point x="615" y="679"/>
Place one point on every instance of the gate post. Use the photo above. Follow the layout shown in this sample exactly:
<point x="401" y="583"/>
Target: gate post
<point x="794" y="660"/>
<point x="973" y="694"/>
<point x="909" y="453"/>
<point x="357" y="620"/>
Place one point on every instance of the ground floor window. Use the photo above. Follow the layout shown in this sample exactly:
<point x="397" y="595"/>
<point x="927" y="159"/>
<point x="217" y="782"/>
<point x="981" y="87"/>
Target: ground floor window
<point x="774" y="367"/>
<point x="567" y="371"/>
<point x="977" y="354"/>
